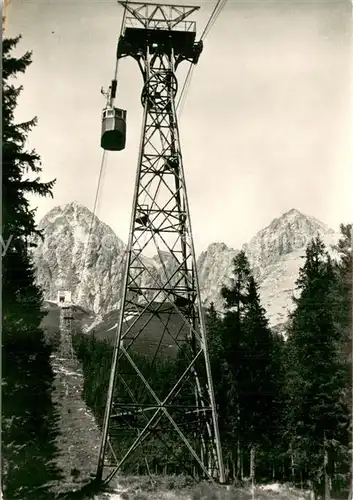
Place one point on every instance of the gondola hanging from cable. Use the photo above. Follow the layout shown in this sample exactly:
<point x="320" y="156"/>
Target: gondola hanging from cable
<point x="113" y="129"/>
<point x="113" y="136"/>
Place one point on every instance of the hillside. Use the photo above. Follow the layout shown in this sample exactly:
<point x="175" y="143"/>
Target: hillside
<point x="154" y="332"/>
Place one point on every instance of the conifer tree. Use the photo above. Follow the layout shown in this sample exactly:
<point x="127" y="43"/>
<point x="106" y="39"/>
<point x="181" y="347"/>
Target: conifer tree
<point x="277" y="456"/>
<point x="256" y="378"/>
<point x="215" y="347"/>
<point x="214" y="332"/>
<point x="28" y="421"/>
<point x="234" y="297"/>
<point x="21" y="297"/>
<point x="345" y="285"/>
<point x="317" y="415"/>
<point x="214" y="328"/>
<point x="344" y="309"/>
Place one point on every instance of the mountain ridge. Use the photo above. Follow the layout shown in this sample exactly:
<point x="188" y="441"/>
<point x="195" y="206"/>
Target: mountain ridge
<point x="275" y="254"/>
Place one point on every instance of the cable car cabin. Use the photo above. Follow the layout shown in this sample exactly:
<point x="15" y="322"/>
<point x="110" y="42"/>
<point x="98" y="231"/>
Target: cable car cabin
<point x="113" y="129"/>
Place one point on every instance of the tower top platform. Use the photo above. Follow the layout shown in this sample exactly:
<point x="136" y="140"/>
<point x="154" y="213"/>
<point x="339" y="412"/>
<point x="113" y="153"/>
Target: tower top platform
<point x="155" y="16"/>
<point x="153" y="24"/>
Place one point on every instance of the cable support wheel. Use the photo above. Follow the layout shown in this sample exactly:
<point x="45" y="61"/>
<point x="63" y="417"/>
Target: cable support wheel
<point x="158" y="91"/>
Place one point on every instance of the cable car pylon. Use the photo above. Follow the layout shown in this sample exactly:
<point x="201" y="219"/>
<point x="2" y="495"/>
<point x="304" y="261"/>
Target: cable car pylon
<point x="170" y="418"/>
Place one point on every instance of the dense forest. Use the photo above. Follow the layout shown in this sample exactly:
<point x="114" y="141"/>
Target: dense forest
<point x="28" y="416"/>
<point x="284" y="405"/>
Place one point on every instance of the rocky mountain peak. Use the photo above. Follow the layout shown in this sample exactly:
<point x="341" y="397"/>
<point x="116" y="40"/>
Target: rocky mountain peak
<point x="65" y="260"/>
<point x="214" y="266"/>
<point x="284" y="235"/>
<point x="217" y="247"/>
<point x="75" y="215"/>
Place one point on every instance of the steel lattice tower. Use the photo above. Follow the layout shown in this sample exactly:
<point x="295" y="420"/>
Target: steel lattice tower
<point x="160" y="312"/>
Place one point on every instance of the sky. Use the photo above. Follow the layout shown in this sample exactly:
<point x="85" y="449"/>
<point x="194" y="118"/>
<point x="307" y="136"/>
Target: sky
<point x="266" y="127"/>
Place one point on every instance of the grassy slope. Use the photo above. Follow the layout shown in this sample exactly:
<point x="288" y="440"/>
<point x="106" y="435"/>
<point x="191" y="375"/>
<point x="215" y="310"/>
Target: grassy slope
<point x="79" y="438"/>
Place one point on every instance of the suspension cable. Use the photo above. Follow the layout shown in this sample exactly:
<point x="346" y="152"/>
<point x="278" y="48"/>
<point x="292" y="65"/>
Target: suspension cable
<point x="113" y="94"/>
<point x="85" y="252"/>
<point x="110" y="101"/>
<point x="215" y="13"/>
<point x="184" y="90"/>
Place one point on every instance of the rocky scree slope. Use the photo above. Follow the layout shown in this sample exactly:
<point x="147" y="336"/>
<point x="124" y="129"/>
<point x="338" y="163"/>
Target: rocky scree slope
<point x="275" y="254"/>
